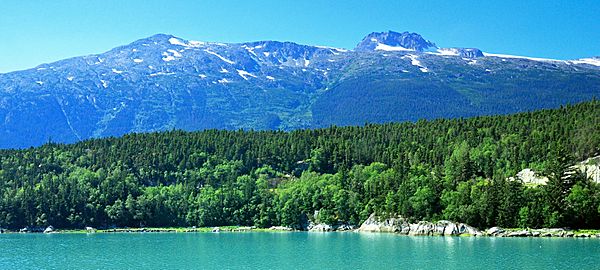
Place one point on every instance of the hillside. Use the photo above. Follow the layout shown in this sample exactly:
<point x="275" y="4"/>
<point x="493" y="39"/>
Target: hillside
<point x="429" y="170"/>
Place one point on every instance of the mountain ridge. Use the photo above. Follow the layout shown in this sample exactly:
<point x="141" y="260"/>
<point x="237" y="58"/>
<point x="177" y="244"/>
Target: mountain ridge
<point x="164" y="37"/>
<point x="165" y="82"/>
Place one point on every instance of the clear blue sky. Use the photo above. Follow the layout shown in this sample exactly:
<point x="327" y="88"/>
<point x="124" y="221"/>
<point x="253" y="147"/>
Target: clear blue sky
<point x="40" y="31"/>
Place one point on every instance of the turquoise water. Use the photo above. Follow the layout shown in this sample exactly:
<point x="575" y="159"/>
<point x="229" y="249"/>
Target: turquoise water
<point x="296" y="250"/>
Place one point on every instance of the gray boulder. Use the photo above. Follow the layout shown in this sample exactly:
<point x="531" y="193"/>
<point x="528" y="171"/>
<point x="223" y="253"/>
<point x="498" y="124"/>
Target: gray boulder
<point x="375" y="224"/>
<point x="400" y="225"/>
<point x="451" y="229"/>
<point x="321" y="227"/>
<point x="49" y="229"/>
<point x="522" y="233"/>
<point x="494" y="231"/>
<point x="281" y="228"/>
<point x="422" y="228"/>
<point x="467" y="229"/>
<point x="345" y="227"/>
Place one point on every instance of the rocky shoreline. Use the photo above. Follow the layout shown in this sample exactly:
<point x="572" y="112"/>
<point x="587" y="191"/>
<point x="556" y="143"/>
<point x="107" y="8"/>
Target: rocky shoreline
<point x="373" y="224"/>
<point x="448" y="228"/>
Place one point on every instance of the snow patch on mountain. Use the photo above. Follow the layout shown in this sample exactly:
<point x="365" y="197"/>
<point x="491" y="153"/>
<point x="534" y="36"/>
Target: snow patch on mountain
<point x="224" y="81"/>
<point x="446" y="52"/>
<point x="189" y="44"/>
<point x="388" y="48"/>
<point x="332" y="49"/>
<point x="195" y="43"/>
<point x="116" y="71"/>
<point x="161" y="73"/>
<point x="167" y="57"/>
<point x="270" y="78"/>
<point x="176" y="41"/>
<point x="175" y="53"/>
<point x="588" y="61"/>
<point x="137" y="60"/>
<point x="220" y="57"/>
<point x="249" y="49"/>
<point x="245" y="74"/>
<point x="415" y="62"/>
<point x="521" y="57"/>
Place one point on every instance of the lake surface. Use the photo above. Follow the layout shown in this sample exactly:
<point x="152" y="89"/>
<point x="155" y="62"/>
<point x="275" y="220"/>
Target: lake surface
<point x="291" y="250"/>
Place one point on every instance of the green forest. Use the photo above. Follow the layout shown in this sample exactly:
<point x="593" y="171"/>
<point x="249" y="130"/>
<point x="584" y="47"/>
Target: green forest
<point x="454" y="169"/>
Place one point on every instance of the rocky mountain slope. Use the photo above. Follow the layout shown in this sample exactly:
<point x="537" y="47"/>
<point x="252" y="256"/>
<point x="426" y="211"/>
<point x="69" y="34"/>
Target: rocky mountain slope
<point x="165" y="82"/>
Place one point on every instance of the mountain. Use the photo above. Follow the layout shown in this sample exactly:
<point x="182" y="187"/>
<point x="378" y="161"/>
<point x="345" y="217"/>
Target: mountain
<point x="395" y="41"/>
<point x="164" y="82"/>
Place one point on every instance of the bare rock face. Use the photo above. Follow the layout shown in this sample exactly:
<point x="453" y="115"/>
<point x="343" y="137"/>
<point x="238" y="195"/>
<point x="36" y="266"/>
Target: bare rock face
<point x="494" y="231"/>
<point x="49" y="229"/>
<point x="320" y="227"/>
<point x="451" y="229"/>
<point x="345" y="227"/>
<point x="466" y="229"/>
<point x="422" y="228"/>
<point x="400" y="225"/>
<point x="405" y="40"/>
<point x="280" y="228"/>
<point x="375" y="224"/>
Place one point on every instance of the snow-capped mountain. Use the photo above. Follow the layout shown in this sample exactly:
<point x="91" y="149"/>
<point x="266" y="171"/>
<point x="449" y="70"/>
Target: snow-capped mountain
<point x="165" y="82"/>
<point x="393" y="41"/>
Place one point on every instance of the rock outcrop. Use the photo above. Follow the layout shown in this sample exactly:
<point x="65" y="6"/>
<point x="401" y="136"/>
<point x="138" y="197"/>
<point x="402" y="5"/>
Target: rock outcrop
<point x="49" y="229"/>
<point x="401" y="225"/>
<point x="321" y="227"/>
<point x="393" y="224"/>
<point x="590" y="166"/>
<point x="280" y="228"/>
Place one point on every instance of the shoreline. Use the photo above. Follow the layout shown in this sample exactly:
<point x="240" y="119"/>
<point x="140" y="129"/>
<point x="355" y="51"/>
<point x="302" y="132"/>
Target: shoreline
<point x="502" y="233"/>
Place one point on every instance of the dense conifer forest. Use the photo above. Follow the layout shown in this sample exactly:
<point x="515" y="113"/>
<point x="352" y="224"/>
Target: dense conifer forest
<point x="426" y="170"/>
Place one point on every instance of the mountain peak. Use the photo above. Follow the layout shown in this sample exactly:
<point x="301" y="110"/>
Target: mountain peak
<point x="394" y="41"/>
<point x="159" y="37"/>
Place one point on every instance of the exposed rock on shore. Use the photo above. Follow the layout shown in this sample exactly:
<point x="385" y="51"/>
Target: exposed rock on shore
<point x="448" y="228"/>
<point x="321" y="227"/>
<point x="401" y="225"/>
<point x="49" y="229"/>
<point x="392" y="224"/>
<point x="281" y="228"/>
